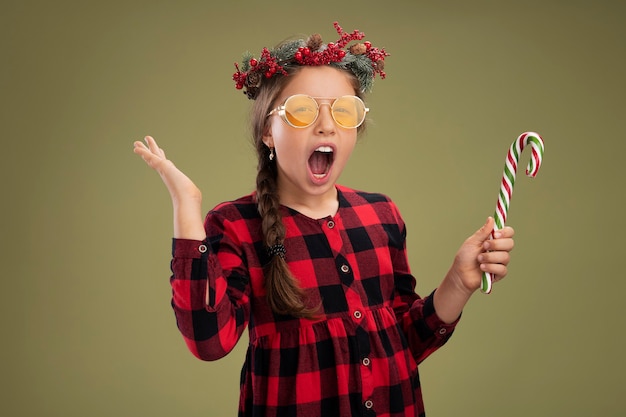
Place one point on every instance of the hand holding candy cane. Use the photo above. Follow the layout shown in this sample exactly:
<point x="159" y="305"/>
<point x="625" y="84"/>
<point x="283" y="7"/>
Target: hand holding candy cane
<point x="508" y="181"/>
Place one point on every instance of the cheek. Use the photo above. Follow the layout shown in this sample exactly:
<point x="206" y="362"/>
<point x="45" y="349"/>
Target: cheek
<point x="287" y="139"/>
<point x="348" y="148"/>
<point x="278" y="130"/>
<point x="286" y="146"/>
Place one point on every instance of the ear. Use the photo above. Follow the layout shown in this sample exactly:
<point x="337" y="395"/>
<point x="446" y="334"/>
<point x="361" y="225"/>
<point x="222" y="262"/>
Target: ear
<point x="268" y="139"/>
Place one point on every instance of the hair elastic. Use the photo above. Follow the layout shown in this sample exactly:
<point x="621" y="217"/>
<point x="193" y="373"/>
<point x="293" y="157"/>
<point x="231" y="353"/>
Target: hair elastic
<point x="277" y="250"/>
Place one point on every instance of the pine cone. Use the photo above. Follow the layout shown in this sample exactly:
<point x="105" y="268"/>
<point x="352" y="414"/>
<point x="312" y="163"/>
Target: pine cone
<point x="253" y="79"/>
<point x="314" y="42"/>
<point x="357" y="49"/>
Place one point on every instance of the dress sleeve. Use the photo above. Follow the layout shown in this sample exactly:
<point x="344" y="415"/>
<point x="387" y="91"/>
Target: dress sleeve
<point x="210" y="290"/>
<point x="423" y="329"/>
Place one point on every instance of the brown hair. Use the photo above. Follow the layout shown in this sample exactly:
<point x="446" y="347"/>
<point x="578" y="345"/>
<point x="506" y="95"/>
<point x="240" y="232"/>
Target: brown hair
<point x="284" y="294"/>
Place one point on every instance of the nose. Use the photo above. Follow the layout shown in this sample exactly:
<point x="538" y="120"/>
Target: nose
<point x="325" y="123"/>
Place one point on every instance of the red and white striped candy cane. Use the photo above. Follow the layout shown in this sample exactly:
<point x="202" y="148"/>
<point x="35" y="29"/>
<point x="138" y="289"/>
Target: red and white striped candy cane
<point x="508" y="181"/>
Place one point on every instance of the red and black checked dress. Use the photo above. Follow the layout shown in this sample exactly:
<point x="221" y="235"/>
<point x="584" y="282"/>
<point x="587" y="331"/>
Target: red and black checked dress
<point x="360" y="358"/>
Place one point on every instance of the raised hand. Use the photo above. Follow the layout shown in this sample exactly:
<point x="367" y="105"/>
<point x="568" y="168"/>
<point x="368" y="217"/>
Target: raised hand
<point x="177" y="183"/>
<point x="186" y="197"/>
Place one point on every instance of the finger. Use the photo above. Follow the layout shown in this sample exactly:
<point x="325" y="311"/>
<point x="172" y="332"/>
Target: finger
<point x="501" y="244"/>
<point x="154" y="148"/>
<point x="504" y="232"/>
<point x="494" y="258"/>
<point x="140" y="148"/>
<point x="498" y="271"/>
<point x="150" y="158"/>
<point x="152" y="145"/>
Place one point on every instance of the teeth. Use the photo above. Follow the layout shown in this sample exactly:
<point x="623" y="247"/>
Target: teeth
<point x="325" y="149"/>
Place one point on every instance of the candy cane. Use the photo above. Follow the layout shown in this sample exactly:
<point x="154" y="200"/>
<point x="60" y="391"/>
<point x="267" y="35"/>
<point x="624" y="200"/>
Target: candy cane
<point x="508" y="180"/>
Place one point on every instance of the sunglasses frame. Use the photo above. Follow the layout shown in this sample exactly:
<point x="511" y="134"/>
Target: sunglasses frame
<point x="280" y="110"/>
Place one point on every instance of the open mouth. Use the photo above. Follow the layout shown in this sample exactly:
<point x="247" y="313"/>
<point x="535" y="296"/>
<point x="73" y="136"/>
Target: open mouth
<point x="320" y="161"/>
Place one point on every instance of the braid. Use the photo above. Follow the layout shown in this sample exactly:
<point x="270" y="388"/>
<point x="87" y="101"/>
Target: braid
<point x="284" y="295"/>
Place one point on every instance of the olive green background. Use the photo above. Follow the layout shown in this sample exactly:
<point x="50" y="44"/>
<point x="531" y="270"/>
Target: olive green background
<point x="87" y="329"/>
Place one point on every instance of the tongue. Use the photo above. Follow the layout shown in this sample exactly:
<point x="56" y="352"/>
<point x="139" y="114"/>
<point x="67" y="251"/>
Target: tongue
<point x="318" y="163"/>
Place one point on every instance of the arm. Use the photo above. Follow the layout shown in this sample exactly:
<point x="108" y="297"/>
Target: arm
<point x="423" y="328"/>
<point x="209" y="294"/>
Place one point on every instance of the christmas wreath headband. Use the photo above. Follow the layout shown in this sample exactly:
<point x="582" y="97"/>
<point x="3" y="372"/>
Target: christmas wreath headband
<point x="364" y="60"/>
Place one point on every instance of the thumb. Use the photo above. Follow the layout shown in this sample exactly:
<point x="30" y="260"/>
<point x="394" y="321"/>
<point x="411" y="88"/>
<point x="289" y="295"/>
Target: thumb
<point x="484" y="232"/>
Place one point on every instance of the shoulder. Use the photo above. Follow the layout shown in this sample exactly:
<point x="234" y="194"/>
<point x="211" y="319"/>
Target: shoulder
<point x="242" y="208"/>
<point x="353" y="198"/>
<point x="378" y="203"/>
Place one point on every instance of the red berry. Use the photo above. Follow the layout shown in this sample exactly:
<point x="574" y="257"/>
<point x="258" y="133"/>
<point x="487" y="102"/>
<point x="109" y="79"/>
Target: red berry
<point x="253" y="62"/>
<point x="367" y="44"/>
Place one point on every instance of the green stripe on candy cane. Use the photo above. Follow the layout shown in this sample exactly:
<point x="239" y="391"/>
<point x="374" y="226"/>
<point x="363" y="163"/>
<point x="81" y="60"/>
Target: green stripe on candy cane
<point x="508" y="181"/>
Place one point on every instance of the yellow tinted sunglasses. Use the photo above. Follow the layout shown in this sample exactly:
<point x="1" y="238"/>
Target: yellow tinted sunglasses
<point x="301" y="111"/>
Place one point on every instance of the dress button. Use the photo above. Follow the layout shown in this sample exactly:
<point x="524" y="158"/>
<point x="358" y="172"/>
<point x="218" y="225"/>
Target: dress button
<point x="330" y="224"/>
<point x="442" y="331"/>
<point x="202" y="248"/>
<point x="345" y="268"/>
<point x="366" y="362"/>
<point x="357" y="314"/>
<point x="369" y="404"/>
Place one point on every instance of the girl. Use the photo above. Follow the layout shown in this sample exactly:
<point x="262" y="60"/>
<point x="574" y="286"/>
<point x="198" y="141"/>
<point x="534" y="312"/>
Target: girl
<point x="318" y="272"/>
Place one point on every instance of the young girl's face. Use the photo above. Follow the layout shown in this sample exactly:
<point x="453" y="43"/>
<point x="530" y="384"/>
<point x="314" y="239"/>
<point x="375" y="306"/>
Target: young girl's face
<point x="311" y="159"/>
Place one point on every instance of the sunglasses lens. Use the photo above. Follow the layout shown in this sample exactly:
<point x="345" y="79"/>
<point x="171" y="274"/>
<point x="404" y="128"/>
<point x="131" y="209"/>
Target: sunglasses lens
<point x="300" y="110"/>
<point x="349" y="111"/>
